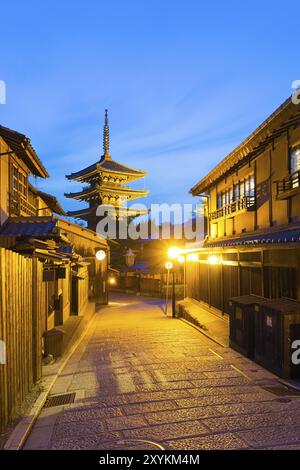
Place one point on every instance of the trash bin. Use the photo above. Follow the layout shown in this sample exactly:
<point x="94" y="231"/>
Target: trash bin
<point x="242" y="323"/>
<point x="277" y="326"/>
<point x="53" y="342"/>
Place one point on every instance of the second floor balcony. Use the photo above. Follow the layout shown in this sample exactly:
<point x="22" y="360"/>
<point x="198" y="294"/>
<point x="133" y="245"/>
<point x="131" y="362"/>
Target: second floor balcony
<point x="243" y="204"/>
<point x="288" y="186"/>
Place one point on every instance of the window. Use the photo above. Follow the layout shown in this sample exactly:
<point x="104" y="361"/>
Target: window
<point x="252" y="186"/>
<point x="295" y="160"/>
<point x="242" y="189"/>
<point x="18" y="191"/>
<point x="224" y="198"/>
<point x="245" y="187"/>
<point x="19" y="182"/>
<point x="236" y="192"/>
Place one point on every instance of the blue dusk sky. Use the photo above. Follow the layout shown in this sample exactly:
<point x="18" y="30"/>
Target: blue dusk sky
<point x="185" y="81"/>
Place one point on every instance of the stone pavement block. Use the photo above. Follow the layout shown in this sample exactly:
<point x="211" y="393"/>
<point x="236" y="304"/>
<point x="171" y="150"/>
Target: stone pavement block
<point x="62" y="385"/>
<point x="220" y="382"/>
<point x="153" y="406"/>
<point x="285" y="447"/>
<point x="155" y="396"/>
<point x="167" y="431"/>
<point x="91" y="442"/>
<point x="165" y="386"/>
<point x="39" y="438"/>
<point x="225" y="390"/>
<point x="175" y="377"/>
<point x="256" y="407"/>
<point x="125" y="422"/>
<point x="76" y="429"/>
<point x="271" y="436"/>
<point x="48" y="417"/>
<point x="221" y="374"/>
<point x="227" y="441"/>
<point x="185" y="414"/>
<point x="88" y="414"/>
<point x="231" y="423"/>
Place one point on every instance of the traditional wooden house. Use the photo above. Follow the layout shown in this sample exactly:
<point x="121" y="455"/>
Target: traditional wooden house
<point x="52" y="273"/>
<point x="253" y="206"/>
<point x="30" y="225"/>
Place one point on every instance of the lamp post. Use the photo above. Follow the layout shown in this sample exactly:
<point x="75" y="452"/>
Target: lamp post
<point x="182" y="260"/>
<point x="173" y="296"/>
<point x="100" y="256"/>
<point x="174" y="253"/>
<point x="168" y="266"/>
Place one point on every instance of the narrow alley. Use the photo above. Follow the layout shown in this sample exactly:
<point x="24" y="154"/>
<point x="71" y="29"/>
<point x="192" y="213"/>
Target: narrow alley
<point x="144" y="381"/>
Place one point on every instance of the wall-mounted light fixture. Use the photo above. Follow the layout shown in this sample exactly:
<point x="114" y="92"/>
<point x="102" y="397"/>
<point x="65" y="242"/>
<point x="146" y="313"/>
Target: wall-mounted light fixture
<point x="100" y="255"/>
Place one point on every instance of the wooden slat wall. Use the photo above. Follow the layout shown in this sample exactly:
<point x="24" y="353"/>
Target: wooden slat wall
<point x="22" y="311"/>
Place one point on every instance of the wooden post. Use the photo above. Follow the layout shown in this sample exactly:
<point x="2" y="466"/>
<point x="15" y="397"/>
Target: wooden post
<point x="3" y="337"/>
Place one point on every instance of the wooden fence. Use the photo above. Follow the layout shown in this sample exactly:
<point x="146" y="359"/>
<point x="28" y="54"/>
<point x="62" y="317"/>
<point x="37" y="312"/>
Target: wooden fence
<point x="23" y="305"/>
<point x="149" y="284"/>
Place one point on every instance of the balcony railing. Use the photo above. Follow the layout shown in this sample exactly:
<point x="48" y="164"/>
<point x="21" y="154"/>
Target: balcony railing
<point x="244" y="203"/>
<point x="289" y="183"/>
<point x="19" y="205"/>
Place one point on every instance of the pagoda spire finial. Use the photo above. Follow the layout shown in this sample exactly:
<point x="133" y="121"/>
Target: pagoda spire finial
<point x="106" y="154"/>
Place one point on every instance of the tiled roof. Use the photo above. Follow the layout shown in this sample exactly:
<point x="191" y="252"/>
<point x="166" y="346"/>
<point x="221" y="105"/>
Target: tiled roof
<point x="87" y="192"/>
<point x="17" y="227"/>
<point x="52" y="202"/>
<point x="106" y="164"/>
<point x="272" y="237"/>
<point x="20" y="144"/>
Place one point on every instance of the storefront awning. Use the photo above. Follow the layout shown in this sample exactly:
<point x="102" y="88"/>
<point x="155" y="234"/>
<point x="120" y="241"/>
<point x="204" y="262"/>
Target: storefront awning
<point x="266" y="238"/>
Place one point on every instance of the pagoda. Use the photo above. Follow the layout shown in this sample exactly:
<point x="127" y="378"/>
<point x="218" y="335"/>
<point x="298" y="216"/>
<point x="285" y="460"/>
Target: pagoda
<point x="107" y="184"/>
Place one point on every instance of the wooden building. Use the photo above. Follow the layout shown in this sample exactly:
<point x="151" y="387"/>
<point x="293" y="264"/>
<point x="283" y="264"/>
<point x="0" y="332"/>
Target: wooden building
<point x="253" y="207"/>
<point x="49" y="274"/>
<point x="30" y="225"/>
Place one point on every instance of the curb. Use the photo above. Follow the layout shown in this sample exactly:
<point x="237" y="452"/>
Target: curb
<point x="21" y="432"/>
<point x="203" y="332"/>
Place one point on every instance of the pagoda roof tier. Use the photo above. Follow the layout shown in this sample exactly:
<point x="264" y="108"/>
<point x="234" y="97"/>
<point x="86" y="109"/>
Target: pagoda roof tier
<point x="87" y="193"/>
<point x="108" y="166"/>
<point x="120" y="212"/>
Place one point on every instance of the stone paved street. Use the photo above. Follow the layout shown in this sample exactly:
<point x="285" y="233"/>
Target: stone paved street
<point x="144" y="381"/>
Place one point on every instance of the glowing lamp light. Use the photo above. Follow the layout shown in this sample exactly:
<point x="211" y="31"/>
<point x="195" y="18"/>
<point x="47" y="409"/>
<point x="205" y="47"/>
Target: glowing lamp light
<point x="168" y="265"/>
<point x="181" y="259"/>
<point x="192" y="257"/>
<point x="174" y="252"/>
<point x="213" y="259"/>
<point x="112" y="281"/>
<point x="100" y="255"/>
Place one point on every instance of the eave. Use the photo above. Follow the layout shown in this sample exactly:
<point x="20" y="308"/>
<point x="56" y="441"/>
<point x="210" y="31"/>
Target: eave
<point x="286" y="115"/>
<point x="21" y="146"/>
<point x="120" y="211"/>
<point x="103" y="189"/>
<point x="99" y="169"/>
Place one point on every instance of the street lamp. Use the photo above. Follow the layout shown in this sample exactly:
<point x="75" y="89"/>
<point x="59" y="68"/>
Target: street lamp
<point x="174" y="252"/>
<point x="112" y="281"/>
<point x="213" y="259"/>
<point x="100" y="255"/>
<point x="168" y="266"/>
